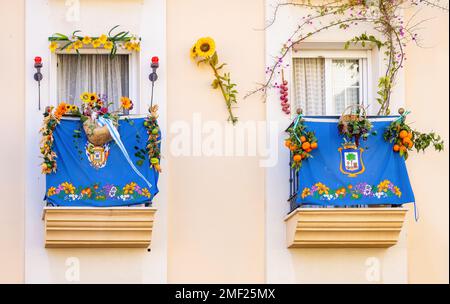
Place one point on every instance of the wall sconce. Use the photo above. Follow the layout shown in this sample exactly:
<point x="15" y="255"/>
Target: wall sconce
<point x="38" y="77"/>
<point x="153" y="76"/>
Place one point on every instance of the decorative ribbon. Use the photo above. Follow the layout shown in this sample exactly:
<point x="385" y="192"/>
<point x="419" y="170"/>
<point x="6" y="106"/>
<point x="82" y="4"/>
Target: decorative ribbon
<point x="116" y="136"/>
<point x="297" y="121"/>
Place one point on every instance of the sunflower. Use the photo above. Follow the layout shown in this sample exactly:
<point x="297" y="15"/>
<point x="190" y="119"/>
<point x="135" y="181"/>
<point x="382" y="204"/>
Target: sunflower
<point x="194" y="52"/>
<point x="78" y="44"/>
<point x="53" y="46"/>
<point x="109" y="45"/>
<point x="103" y="38"/>
<point x="205" y="47"/>
<point x="87" y="40"/>
<point x="85" y="97"/>
<point x="96" y="43"/>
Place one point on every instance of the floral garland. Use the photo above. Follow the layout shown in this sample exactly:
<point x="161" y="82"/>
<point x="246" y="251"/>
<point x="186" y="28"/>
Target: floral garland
<point x="97" y="192"/>
<point x="204" y="51"/>
<point x="301" y="142"/>
<point x="110" y="42"/>
<point x="51" y="120"/>
<point x="153" y="141"/>
<point x="355" y="192"/>
<point x="404" y="138"/>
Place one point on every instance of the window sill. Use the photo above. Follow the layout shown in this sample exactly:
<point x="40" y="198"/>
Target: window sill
<point x="344" y="228"/>
<point x="98" y="227"/>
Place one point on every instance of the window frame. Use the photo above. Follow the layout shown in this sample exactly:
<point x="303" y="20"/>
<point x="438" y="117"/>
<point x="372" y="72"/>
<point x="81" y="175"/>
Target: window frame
<point x="133" y="72"/>
<point x="363" y="55"/>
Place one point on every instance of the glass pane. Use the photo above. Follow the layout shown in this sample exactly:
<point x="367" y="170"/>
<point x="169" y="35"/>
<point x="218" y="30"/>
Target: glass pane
<point x="339" y="69"/>
<point x="352" y="96"/>
<point x="352" y="72"/>
<point x="339" y="100"/>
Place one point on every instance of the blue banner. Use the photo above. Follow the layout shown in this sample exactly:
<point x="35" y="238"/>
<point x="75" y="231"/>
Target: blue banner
<point x="341" y="174"/>
<point x="101" y="176"/>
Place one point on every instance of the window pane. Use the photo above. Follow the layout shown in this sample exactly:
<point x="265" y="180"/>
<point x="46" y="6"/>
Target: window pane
<point x="339" y="71"/>
<point x="352" y="72"/>
<point x="309" y="85"/>
<point x="346" y="83"/>
<point x="339" y="100"/>
<point x="93" y="73"/>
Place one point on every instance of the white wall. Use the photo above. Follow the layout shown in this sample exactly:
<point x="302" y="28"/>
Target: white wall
<point x="313" y="265"/>
<point x="145" y="18"/>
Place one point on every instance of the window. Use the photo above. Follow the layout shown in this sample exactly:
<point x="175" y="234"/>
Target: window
<point x="100" y="73"/>
<point x="326" y="83"/>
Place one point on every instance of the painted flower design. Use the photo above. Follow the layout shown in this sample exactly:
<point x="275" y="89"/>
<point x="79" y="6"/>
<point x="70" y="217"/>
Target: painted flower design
<point x="354" y="192"/>
<point x="68" y="192"/>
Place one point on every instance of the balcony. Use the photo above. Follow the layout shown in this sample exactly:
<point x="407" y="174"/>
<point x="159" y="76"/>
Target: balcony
<point x="98" y="227"/>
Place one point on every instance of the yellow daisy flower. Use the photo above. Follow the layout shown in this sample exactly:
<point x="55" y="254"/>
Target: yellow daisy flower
<point x="129" y="46"/>
<point x="205" y="47"/>
<point x="87" y="40"/>
<point x="137" y="47"/>
<point x="78" y="44"/>
<point x="103" y="38"/>
<point x="51" y="191"/>
<point x="96" y="43"/>
<point x="146" y="193"/>
<point x="109" y="45"/>
<point x="53" y="46"/>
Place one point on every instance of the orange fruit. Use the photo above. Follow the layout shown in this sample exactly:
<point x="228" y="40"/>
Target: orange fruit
<point x="287" y="143"/>
<point x="410" y="144"/>
<point x="314" y="145"/>
<point x="303" y="139"/>
<point x="410" y="135"/>
<point x="403" y="148"/>
<point x="293" y="147"/>
<point x="309" y="150"/>
<point x="403" y="134"/>
<point x="297" y="158"/>
<point x="406" y="141"/>
<point x="304" y="155"/>
<point x="306" y="145"/>
<point x="396" y="148"/>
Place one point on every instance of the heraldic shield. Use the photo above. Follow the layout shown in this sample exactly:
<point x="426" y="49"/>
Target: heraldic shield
<point x="351" y="160"/>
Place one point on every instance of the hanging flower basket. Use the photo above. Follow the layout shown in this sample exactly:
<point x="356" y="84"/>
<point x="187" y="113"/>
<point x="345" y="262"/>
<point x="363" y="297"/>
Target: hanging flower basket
<point x="354" y="125"/>
<point x="98" y="136"/>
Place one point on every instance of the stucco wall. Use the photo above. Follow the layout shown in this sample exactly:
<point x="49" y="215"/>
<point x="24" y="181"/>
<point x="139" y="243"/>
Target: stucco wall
<point x="428" y="99"/>
<point x="12" y="151"/>
<point x="216" y="206"/>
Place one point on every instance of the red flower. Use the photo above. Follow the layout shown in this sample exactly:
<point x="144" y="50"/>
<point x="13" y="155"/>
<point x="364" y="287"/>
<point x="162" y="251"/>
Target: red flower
<point x="104" y="110"/>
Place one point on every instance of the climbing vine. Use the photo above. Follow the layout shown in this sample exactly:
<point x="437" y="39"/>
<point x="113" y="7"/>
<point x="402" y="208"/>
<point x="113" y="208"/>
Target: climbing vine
<point x="386" y="17"/>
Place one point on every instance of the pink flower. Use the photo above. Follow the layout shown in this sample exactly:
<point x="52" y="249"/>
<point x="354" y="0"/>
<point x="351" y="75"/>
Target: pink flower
<point x="104" y="110"/>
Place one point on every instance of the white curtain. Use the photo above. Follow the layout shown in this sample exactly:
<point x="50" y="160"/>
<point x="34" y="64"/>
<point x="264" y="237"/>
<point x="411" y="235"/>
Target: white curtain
<point x="93" y="73"/>
<point x="309" y="77"/>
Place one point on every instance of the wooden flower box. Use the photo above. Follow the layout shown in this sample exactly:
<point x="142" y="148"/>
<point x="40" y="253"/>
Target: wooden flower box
<point x="98" y="227"/>
<point x="344" y="227"/>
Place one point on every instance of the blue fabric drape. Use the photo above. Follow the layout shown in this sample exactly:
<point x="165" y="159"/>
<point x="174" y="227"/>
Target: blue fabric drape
<point x="81" y="182"/>
<point x="374" y="176"/>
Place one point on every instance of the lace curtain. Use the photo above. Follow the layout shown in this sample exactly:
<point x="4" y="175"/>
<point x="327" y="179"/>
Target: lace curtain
<point x="93" y="73"/>
<point x="309" y="76"/>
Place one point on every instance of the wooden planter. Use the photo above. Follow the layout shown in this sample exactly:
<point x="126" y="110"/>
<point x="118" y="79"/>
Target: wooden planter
<point x="98" y="227"/>
<point x="344" y="228"/>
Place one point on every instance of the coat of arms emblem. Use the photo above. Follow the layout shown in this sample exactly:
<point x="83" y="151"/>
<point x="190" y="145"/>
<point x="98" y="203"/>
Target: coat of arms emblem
<point x="97" y="155"/>
<point x="351" y="160"/>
